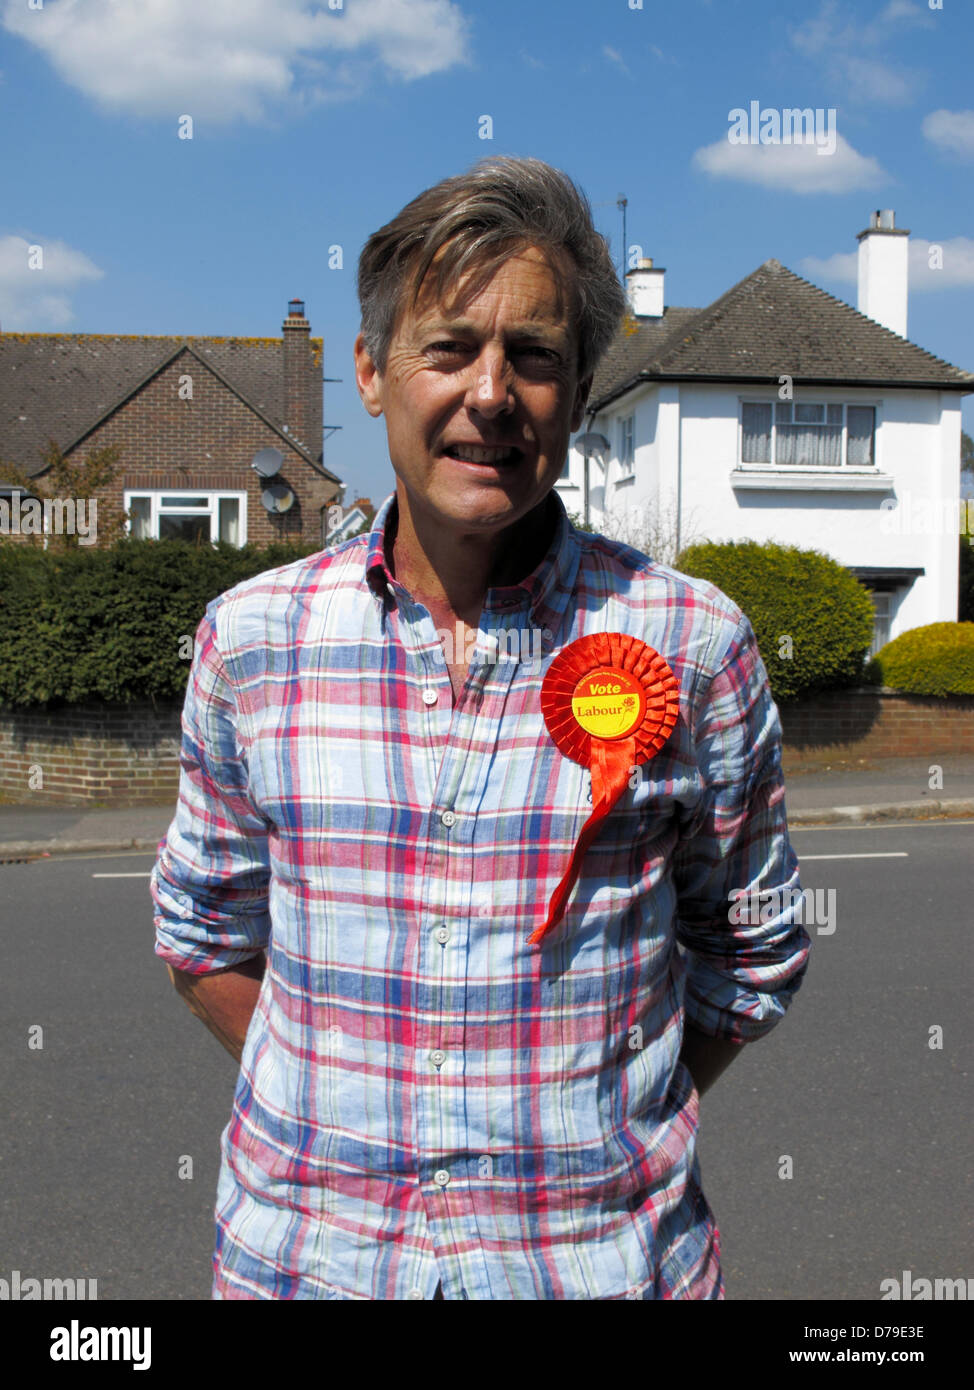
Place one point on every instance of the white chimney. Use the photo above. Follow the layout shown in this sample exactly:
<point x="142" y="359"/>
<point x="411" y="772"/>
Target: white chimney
<point x="644" y="288"/>
<point x="884" y="251"/>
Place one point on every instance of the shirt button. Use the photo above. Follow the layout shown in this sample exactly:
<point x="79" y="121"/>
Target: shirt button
<point x="437" y="1058"/>
<point x="415" y="1293"/>
<point x="441" y="1177"/>
<point x="448" y="818"/>
<point x="429" y="697"/>
<point x="442" y="935"/>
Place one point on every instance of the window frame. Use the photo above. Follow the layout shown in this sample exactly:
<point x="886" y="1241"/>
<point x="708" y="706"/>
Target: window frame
<point x="626" y="456"/>
<point x="214" y="497"/>
<point x="843" y="468"/>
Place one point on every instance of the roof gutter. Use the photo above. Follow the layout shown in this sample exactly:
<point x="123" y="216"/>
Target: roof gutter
<point x="965" y="387"/>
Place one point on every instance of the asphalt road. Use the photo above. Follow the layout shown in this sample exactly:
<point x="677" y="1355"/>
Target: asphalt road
<point x="100" y="1121"/>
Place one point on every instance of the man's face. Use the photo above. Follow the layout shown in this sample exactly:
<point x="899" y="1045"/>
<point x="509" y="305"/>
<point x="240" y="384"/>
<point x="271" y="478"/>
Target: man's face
<point x="480" y="403"/>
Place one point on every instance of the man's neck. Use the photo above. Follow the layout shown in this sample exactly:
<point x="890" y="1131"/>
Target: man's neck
<point x="454" y="570"/>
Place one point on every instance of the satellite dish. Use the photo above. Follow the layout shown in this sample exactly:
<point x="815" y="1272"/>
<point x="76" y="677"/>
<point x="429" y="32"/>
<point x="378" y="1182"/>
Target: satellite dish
<point x="593" y="446"/>
<point x="267" y="462"/>
<point x="278" y="498"/>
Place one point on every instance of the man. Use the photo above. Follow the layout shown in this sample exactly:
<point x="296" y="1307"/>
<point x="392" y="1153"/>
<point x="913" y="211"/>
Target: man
<point x="428" y="1105"/>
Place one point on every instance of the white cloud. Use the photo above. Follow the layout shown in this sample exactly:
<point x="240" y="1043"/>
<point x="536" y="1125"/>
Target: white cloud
<point x="878" y="83"/>
<point x="842" y="44"/>
<point x="225" y="60"/>
<point x="951" y="130"/>
<point x="952" y="268"/>
<point x="796" y="168"/>
<point x="933" y="265"/>
<point x="616" y="57"/>
<point x="34" y="300"/>
<point x="843" y="265"/>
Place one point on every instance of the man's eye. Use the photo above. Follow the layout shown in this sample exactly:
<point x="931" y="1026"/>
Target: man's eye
<point x="449" y="347"/>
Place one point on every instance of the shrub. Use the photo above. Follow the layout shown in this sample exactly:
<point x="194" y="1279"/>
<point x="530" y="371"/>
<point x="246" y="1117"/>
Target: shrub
<point x="108" y="624"/>
<point x="812" y="618"/>
<point x="937" y="659"/>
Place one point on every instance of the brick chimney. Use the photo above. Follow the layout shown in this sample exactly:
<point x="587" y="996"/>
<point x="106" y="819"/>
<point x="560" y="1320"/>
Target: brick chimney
<point x="644" y="288"/>
<point x="302" y="381"/>
<point x="884" y="251"/>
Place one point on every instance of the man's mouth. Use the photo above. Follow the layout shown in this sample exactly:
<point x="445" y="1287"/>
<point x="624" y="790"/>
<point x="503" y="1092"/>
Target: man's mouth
<point x="476" y="453"/>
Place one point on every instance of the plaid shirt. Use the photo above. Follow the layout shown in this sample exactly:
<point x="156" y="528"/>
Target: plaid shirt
<point x="423" y="1098"/>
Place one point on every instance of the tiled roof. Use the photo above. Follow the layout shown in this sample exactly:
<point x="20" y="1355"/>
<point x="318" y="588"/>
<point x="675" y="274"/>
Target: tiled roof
<point x="59" y="384"/>
<point x="772" y="323"/>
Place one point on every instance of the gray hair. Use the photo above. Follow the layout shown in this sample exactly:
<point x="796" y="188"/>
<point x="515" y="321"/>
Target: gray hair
<point x="498" y="207"/>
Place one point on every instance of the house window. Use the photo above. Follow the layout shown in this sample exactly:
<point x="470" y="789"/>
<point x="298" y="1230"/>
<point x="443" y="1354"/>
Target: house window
<point x="883" y="615"/>
<point x="188" y="516"/>
<point x="808" y="434"/>
<point x="627" y="452"/>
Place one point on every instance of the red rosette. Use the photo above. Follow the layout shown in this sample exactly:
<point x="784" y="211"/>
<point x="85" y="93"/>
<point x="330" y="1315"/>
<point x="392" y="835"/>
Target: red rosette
<point x="609" y="702"/>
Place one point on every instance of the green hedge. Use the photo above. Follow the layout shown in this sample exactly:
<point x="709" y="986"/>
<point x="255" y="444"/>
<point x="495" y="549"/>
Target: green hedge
<point x="108" y="624"/>
<point x="812" y="618"/>
<point x="934" y="660"/>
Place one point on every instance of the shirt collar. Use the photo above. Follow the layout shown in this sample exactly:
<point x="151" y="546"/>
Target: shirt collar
<point x="545" y="591"/>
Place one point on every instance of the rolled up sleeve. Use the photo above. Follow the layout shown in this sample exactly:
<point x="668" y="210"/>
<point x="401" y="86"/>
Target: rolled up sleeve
<point x="742" y="973"/>
<point x="210" y="880"/>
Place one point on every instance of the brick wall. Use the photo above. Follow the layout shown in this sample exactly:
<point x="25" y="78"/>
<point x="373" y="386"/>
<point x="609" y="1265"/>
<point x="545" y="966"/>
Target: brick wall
<point x="130" y="753"/>
<point x="90" y="753"/>
<point x="302" y="383"/>
<point x="866" y="724"/>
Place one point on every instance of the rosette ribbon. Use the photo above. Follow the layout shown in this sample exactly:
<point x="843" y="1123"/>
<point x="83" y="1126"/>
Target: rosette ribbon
<point x="609" y="702"/>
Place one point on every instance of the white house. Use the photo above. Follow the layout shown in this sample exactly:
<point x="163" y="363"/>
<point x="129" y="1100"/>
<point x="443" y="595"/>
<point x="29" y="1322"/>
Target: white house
<point x="781" y="413"/>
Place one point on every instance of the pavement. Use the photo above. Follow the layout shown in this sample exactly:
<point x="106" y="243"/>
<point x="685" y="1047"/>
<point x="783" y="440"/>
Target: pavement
<point x="856" y="794"/>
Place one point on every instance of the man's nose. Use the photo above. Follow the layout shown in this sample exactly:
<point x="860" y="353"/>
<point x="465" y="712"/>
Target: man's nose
<point x="491" y="389"/>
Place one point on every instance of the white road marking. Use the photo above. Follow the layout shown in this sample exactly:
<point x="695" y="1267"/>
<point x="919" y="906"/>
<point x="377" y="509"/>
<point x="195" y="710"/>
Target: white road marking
<point x="145" y="875"/>
<point x="849" y="827"/>
<point x="891" y="854"/>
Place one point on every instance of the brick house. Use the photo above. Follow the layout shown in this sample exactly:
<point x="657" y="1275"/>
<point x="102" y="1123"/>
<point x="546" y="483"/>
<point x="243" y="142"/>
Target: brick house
<point x="189" y="416"/>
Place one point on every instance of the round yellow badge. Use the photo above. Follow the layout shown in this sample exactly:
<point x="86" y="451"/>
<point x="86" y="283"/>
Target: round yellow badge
<point x="608" y="702"/>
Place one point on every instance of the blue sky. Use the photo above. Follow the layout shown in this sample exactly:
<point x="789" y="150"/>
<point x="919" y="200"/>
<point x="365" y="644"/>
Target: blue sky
<point x="312" y="124"/>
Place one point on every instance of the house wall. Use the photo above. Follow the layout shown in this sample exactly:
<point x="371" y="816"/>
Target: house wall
<point x="687" y="448"/>
<point x="208" y="442"/>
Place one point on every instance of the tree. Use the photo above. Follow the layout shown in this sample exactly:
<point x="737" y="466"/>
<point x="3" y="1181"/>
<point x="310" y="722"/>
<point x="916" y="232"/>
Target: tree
<point x="965" y="599"/>
<point x="653" y="528"/>
<point x="966" y="453"/>
<point x="63" y="484"/>
<point x="649" y="527"/>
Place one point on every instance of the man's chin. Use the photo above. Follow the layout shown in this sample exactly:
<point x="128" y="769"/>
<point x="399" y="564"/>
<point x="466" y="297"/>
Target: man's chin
<point x="494" y="509"/>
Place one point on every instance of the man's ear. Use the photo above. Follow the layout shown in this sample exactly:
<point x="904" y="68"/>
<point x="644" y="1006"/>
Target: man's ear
<point x="367" y="378"/>
<point x="581" y="400"/>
